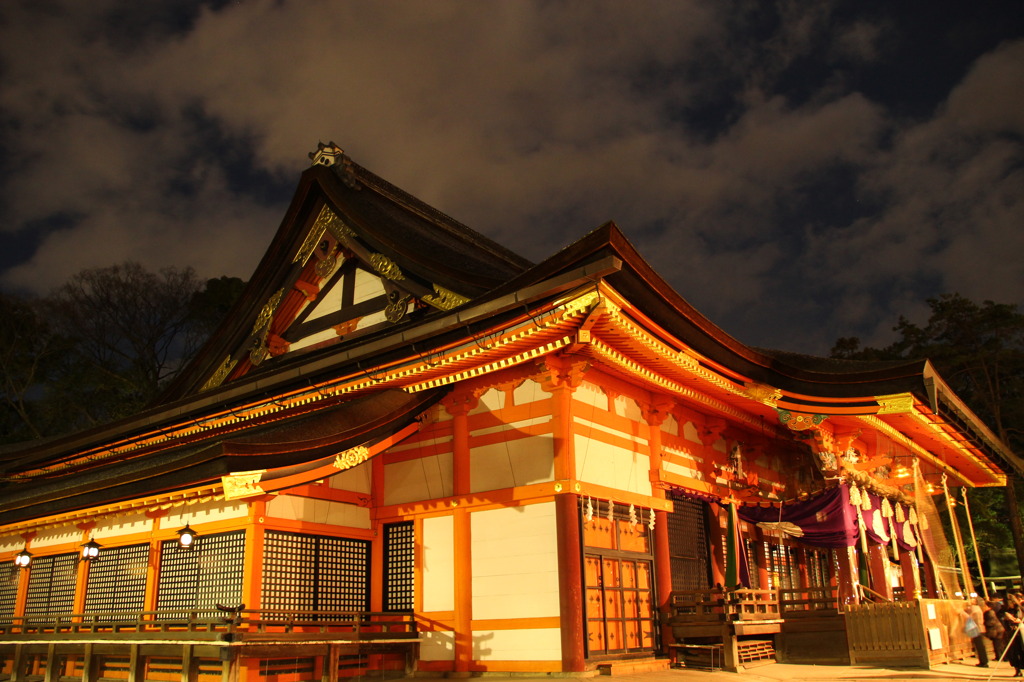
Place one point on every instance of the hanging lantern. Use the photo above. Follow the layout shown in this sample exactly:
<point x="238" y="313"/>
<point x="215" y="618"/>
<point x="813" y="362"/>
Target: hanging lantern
<point x="23" y="558"/>
<point x="187" y="537"/>
<point x="90" y="550"/>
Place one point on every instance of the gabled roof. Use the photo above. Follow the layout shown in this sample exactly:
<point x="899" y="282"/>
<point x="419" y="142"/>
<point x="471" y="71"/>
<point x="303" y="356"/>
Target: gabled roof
<point x="353" y="255"/>
<point x="368" y="304"/>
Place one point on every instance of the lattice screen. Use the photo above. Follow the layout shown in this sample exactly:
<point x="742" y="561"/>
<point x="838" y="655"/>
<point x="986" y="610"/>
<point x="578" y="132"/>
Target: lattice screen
<point x="208" y="574"/>
<point x="117" y="580"/>
<point x="399" y="566"/>
<point x="51" y="585"/>
<point x="315" y="572"/>
<point x="9" y="576"/>
<point x="688" y="545"/>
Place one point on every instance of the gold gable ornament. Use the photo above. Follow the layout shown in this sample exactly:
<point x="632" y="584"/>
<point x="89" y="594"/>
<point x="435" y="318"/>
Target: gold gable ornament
<point x="351" y="457"/>
<point x="242" y="484"/>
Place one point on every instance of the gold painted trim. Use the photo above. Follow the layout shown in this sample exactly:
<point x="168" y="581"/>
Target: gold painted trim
<point x="242" y="484"/>
<point x="897" y="403"/>
<point x="351" y="457"/>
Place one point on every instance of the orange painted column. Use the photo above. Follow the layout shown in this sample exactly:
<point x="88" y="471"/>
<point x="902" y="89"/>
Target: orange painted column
<point x="252" y="576"/>
<point x="847" y="579"/>
<point x="877" y="560"/>
<point x="717" y="533"/>
<point x="377" y="543"/>
<point x="910" y="574"/>
<point x="459" y="404"/>
<point x="655" y="415"/>
<point x="560" y="380"/>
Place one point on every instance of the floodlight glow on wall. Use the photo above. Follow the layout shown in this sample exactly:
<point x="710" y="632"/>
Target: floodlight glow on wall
<point x="90" y="550"/>
<point x="23" y="558"/>
<point x="187" y="537"/>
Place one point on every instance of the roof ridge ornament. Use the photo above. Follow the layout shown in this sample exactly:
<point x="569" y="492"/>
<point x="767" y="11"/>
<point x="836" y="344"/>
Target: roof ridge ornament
<point x="332" y="155"/>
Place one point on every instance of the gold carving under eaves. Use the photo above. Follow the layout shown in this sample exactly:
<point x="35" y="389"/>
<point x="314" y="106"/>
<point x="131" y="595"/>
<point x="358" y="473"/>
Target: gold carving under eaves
<point x="444" y="299"/>
<point x="898" y="403"/>
<point x="220" y="375"/>
<point x="268" y="311"/>
<point x="763" y="393"/>
<point x="386" y="267"/>
<point x="242" y="484"/>
<point x="326" y="221"/>
<point x="351" y="457"/>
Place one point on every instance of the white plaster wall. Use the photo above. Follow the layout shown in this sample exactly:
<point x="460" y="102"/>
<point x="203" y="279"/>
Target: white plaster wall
<point x="591" y="395"/>
<point x="540" y="644"/>
<point x="515" y="562"/>
<point x="529" y="391"/>
<point x="357" y="479"/>
<point x="11" y="543"/>
<point x="437" y="646"/>
<point x="197" y="514"/>
<point x="438" y="569"/>
<point x="490" y="401"/>
<point x="122" y="525"/>
<point x="670" y="425"/>
<point x="690" y="432"/>
<point x="295" y="508"/>
<point x="425" y="478"/>
<point x="627" y="407"/>
<point x="519" y="461"/>
<point x="367" y="286"/>
<point x="612" y="466"/>
<point x="56" y="536"/>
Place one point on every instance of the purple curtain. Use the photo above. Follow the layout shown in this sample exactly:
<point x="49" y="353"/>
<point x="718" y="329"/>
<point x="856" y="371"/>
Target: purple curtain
<point x="827" y="520"/>
<point x="879" y="528"/>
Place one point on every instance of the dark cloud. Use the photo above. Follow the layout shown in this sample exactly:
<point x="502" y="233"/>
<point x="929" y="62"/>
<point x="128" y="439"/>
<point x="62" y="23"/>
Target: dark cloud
<point x="799" y="171"/>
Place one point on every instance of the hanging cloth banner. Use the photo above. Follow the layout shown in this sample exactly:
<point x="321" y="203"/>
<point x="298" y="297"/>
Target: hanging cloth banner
<point x="736" y="572"/>
<point x="827" y="520"/>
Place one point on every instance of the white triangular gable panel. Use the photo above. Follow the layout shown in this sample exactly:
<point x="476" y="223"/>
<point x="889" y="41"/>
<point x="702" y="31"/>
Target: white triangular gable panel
<point x="368" y="285"/>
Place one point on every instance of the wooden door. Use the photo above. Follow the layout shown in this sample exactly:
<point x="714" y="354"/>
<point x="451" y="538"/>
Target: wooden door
<point x="620" y="616"/>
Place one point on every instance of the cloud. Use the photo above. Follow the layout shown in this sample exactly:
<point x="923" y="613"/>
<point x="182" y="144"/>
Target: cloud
<point x="725" y="138"/>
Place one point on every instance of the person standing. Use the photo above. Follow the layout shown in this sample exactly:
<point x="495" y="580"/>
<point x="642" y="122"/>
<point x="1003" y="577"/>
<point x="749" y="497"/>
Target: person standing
<point x="1012" y="615"/>
<point x="974" y="628"/>
<point x="993" y="629"/>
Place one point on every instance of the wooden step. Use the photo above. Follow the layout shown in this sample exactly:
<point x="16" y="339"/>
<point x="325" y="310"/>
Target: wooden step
<point x="633" y="666"/>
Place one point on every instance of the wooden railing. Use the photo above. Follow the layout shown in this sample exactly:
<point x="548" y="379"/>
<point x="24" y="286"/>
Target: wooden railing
<point x="808" y="601"/>
<point x="716" y="605"/>
<point x="214" y="624"/>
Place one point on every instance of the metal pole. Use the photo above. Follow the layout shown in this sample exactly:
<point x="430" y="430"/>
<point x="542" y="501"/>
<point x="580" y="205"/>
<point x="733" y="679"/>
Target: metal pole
<point x="974" y="542"/>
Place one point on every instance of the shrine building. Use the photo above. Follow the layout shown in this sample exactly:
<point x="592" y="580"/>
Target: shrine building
<point x="408" y="449"/>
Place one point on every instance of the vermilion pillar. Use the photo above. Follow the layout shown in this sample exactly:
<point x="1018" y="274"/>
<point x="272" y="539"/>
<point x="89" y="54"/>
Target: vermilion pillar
<point x="560" y="378"/>
<point x="459" y="404"/>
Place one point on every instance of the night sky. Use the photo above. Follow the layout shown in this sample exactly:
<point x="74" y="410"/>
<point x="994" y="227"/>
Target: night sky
<point x="798" y="171"/>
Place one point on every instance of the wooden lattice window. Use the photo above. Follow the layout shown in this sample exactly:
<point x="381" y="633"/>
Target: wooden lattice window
<point x="688" y="545"/>
<point x="51" y="585"/>
<point x="9" y="577"/>
<point x="117" y="580"/>
<point x="203" y="576"/>
<point x="399" y="566"/>
<point x="312" y="572"/>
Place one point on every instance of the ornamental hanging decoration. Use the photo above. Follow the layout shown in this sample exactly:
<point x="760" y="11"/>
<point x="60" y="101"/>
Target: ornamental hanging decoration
<point x="650" y="520"/>
<point x="611" y="511"/>
<point x="901" y="517"/>
<point x="632" y="517"/>
<point x="588" y="513"/>
<point x="886" y="507"/>
<point x="855" y="496"/>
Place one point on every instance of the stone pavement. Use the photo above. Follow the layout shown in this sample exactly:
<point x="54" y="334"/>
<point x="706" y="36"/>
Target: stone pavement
<point x="776" y="672"/>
